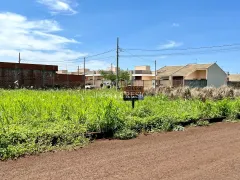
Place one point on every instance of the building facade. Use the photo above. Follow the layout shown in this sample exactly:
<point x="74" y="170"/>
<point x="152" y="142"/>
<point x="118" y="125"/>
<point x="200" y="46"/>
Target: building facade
<point x="192" y="75"/>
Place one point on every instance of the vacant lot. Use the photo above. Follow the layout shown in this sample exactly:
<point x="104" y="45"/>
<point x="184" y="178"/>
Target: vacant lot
<point x="198" y="153"/>
<point x="37" y="121"/>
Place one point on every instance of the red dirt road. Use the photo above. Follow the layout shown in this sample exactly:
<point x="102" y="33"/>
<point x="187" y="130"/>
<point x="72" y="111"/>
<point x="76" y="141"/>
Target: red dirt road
<point x="198" y="153"/>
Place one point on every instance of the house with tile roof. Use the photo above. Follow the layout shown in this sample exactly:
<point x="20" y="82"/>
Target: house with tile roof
<point x="193" y="75"/>
<point x="234" y="80"/>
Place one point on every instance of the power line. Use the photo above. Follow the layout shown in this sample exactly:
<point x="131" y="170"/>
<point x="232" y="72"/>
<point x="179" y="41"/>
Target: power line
<point x="101" y="59"/>
<point x="101" y="53"/>
<point x="70" y="61"/>
<point x="134" y="55"/>
<point x="187" y="53"/>
<point x="191" y="48"/>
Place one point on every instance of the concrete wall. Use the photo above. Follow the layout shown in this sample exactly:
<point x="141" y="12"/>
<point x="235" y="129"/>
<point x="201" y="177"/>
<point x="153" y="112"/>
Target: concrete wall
<point x="142" y="68"/>
<point x="216" y="76"/>
<point x="148" y="84"/>
<point x="148" y="78"/>
<point x="96" y="83"/>
<point x="198" y="74"/>
<point x="96" y="78"/>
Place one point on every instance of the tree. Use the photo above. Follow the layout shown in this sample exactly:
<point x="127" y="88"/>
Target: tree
<point x="108" y="75"/>
<point x="124" y="75"/>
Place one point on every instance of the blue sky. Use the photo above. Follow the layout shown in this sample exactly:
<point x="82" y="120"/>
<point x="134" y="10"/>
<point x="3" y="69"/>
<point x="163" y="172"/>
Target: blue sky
<point x="62" y="32"/>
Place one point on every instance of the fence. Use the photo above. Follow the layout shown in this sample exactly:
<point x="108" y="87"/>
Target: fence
<point x="196" y="83"/>
<point x="233" y="84"/>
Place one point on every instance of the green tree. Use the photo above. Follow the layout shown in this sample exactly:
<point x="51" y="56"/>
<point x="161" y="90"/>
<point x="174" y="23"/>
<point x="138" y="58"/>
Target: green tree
<point x="123" y="75"/>
<point x="108" y="75"/>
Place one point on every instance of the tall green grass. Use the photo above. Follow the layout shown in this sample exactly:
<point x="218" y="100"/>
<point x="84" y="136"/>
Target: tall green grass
<point x="34" y="121"/>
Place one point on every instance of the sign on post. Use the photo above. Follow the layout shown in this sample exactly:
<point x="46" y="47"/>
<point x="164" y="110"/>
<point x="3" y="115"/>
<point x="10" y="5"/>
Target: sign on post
<point x="133" y="93"/>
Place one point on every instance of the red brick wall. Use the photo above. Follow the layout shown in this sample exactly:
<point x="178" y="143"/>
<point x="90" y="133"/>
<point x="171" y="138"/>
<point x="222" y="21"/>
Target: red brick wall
<point x="37" y="76"/>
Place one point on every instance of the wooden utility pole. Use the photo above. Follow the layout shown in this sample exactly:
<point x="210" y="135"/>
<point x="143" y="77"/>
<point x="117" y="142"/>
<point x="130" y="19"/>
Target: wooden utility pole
<point x="19" y="58"/>
<point x="111" y="68"/>
<point x="155" y="75"/>
<point x="67" y="76"/>
<point x="117" y="73"/>
<point x="84" y="63"/>
<point x="78" y="70"/>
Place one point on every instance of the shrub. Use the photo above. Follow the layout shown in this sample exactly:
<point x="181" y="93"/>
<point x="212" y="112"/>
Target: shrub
<point x="125" y="134"/>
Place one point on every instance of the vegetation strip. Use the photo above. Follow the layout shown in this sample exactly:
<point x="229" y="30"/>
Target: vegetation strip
<point x="37" y="121"/>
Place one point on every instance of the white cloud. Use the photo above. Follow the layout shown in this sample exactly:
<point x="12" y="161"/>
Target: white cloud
<point x="170" y="44"/>
<point x="59" y="6"/>
<point x="97" y="65"/>
<point x="35" y="40"/>
<point x="175" y="25"/>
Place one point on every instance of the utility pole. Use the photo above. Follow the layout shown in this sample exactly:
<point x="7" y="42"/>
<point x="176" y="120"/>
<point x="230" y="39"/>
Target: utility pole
<point x="117" y="63"/>
<point x="67" y="76"/>
<point x="155" y="74"/>
<point x="78" y="70"/>
<point x="19" y="58"/>
<point x="111" y="68"/>
<point x="84" y="63"/>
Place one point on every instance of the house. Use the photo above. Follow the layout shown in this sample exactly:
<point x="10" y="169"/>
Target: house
<point x="165" y="74"/>
<point x="143" y="76"/>
<point x="94" y="78"/>
<point x="193" y="75"/>
<point x="143" y="73"/>
<point x="234" y="80"/>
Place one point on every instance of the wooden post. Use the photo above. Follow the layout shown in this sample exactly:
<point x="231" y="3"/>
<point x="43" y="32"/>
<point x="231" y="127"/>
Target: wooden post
<point x="117" y="73"/>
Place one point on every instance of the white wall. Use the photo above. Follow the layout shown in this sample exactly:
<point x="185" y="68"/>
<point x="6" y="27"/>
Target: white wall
<point x="216" y="76"/>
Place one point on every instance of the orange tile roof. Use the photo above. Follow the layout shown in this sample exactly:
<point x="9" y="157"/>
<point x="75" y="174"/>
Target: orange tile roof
<point x="168" y="70"/>
<point x="188" y="69"/>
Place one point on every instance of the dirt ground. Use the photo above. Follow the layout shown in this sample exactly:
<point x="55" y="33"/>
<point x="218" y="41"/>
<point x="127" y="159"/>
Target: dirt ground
<point x="197" y="153"/>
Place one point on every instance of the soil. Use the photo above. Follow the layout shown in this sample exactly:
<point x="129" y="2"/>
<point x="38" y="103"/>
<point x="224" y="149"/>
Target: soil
<point x="195" y="154"/>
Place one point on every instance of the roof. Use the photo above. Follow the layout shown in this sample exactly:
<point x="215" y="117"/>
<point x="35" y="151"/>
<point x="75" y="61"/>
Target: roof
<point x="234" y="77"/>
<point x="190" y="68"/>
<point x="168" y="70"/>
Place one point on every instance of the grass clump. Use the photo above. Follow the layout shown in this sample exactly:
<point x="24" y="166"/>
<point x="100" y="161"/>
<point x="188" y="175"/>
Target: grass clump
<point x="125" y="134"/>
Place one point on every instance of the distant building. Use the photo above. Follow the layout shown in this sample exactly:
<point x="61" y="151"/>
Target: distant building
<point x="234" y="80"/>
<point x="143" y="76"/>
<point x="62" y="72"/>
<point x="94" y="77"/>
<point x="193" y="75"/>
<point x="143" y="73"/>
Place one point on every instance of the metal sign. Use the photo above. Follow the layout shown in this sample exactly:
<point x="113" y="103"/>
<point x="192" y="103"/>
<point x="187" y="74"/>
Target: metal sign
<point x="133" y="93"/>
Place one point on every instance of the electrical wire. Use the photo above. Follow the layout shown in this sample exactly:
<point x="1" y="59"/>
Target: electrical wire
<point x="185" y="49"/>
<point x="100" y="53"/>
<point x="135" y="56"/>
<point x="186" y="53"/>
